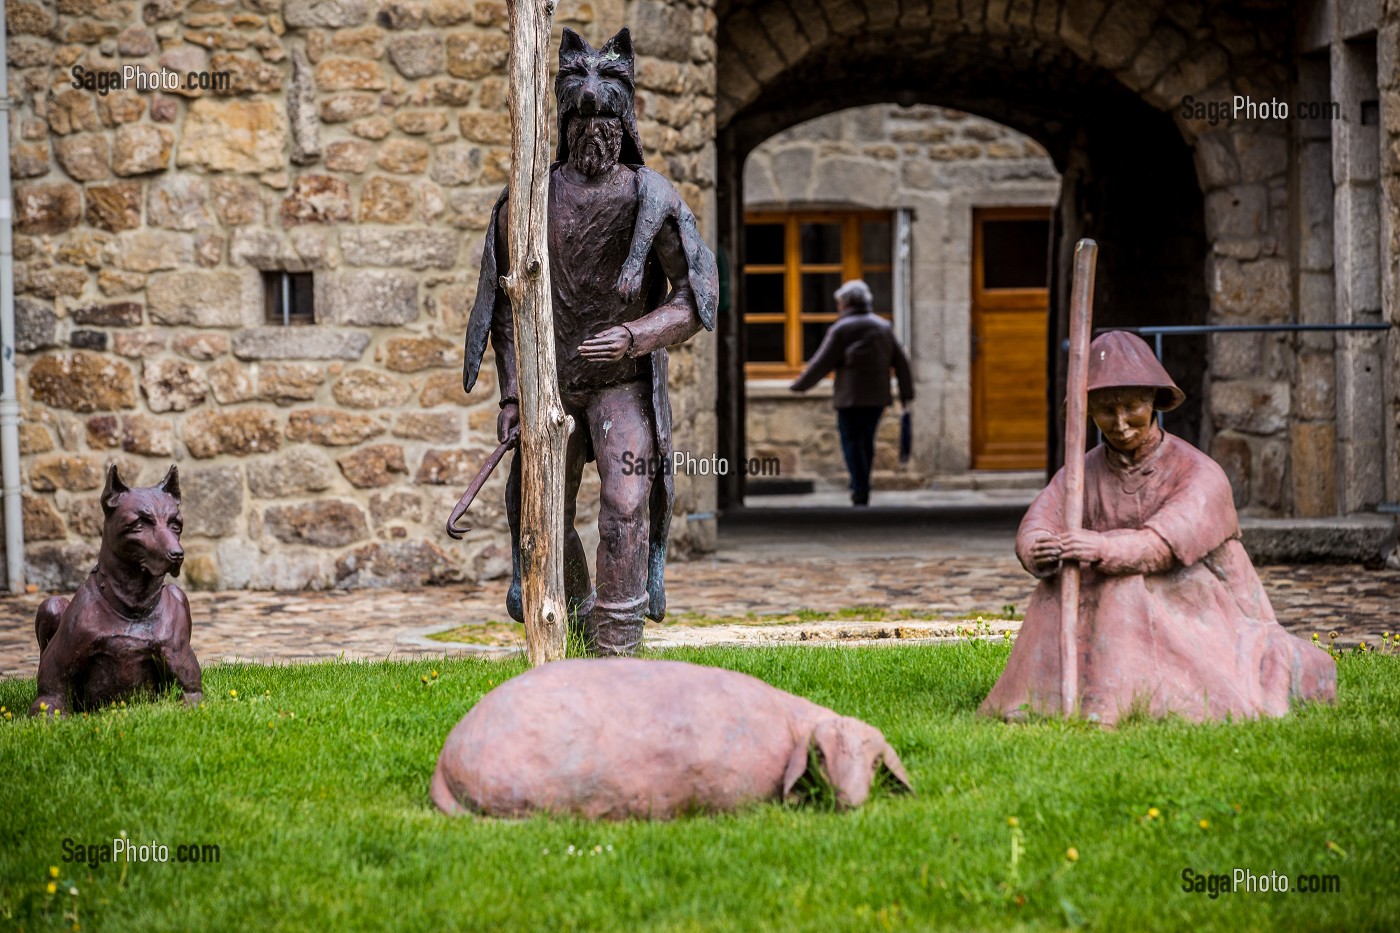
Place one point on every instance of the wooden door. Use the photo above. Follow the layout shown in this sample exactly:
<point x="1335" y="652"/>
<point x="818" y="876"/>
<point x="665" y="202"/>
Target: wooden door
<point x="1010" y="314"/>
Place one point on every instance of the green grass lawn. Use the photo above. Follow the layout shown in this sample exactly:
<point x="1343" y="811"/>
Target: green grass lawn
<point x="312" y="782"/>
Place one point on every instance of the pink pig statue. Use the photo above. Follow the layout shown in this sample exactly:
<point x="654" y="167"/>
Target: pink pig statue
<point x="617" y="738"/>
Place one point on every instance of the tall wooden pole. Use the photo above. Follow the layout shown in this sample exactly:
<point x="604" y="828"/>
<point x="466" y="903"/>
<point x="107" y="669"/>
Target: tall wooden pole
<point x="544" y="427"/>
<point x="1081" y="314"/>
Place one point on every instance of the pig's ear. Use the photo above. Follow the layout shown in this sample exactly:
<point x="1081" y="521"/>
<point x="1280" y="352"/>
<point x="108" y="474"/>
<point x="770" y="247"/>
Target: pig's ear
<point x="890" y="760"/>
<point x="796" y="766"/>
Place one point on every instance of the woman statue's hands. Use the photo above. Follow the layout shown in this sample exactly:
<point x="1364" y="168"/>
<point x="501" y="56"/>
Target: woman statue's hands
<point x="1087" y="547"/>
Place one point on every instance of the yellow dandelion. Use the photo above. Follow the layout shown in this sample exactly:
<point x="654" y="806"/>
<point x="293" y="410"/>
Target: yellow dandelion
<point x="1153" y="813"/>
<point x="435" y="675"/>
<point x="51" y="888"/>
<point x="1072" y="854"/>
<point x="1012" y="821"/>
<point x="1315" y="636"/>
<point x="1204" y="824"/>
<point x="233" y="694"/>
<point x="424" y="678"/>
<point x="53" y="870"/>
<point x="43" y="707"/>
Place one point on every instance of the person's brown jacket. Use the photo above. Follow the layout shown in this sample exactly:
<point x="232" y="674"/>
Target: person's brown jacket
<point x="862" y="349"/>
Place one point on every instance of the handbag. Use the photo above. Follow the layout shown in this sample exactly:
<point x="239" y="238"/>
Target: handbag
<point x="906" y="437"/>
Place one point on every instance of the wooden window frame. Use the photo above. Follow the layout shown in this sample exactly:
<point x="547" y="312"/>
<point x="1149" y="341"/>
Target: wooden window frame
<point x="850" y="267"/>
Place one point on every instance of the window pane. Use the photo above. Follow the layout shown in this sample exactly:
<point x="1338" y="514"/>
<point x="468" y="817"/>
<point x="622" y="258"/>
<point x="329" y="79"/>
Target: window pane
<point x="763" y="293"/>
<point x="812" y="334"/>
<point x="303" y="290"/>
<point x="881" y="292"/>
<point x="818" y="290"/>
<point x="821" y="243"/>
<point x="875" y="242"/>
<point x="1015" y="253"/>
<point x="763" y="245"/>
<point x="765" y="343"/>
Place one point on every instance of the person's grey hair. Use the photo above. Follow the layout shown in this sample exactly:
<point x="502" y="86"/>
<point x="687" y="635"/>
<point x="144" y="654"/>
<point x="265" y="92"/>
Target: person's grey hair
<point x="857" y="294"/>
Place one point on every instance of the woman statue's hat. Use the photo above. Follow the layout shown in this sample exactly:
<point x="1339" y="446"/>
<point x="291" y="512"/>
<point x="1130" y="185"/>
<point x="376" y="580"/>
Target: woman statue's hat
<point x="1119" y="359"/>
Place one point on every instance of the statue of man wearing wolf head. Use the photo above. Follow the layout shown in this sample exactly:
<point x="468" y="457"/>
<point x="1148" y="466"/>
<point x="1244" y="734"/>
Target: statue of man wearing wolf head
<point x="630" y="276"/>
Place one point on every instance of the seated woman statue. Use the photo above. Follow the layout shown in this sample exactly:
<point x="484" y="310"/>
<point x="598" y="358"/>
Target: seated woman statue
<point x="1172" y="616"/>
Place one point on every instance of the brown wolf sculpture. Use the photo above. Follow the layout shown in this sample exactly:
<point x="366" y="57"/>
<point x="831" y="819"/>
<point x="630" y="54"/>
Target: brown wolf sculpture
<point x="619" y="738"/>
<point x="125" y="631"/>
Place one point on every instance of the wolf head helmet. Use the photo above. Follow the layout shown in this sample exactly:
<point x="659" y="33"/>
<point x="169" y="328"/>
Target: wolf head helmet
<point x="597" y="82"/>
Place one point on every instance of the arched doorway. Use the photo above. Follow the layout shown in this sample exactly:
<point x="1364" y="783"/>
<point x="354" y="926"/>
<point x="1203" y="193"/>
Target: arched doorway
<point x="1098" y="85"/>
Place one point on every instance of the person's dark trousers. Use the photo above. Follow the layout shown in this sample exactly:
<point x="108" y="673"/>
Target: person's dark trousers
<point x="858" y="426"/>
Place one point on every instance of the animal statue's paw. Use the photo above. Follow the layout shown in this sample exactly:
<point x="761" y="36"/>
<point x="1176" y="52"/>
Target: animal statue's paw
<point x="47" y="706"/>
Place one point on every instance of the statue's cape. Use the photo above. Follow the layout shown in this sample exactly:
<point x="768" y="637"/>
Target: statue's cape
<point x="657" y="202"/>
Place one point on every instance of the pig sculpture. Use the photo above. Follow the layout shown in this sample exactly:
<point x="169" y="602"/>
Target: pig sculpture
<point x="614" y="738"/>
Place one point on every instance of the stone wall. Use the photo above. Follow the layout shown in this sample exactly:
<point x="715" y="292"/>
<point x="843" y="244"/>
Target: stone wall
<point x="1388" y="79"/>
<point x="940" y="164"/>
<point x="364" y="141"/>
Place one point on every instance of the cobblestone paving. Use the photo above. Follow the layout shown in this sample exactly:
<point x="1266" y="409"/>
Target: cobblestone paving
<point x="947" y="572"/>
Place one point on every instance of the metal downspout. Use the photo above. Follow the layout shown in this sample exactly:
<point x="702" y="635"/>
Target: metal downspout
<point x="9" y="397"/>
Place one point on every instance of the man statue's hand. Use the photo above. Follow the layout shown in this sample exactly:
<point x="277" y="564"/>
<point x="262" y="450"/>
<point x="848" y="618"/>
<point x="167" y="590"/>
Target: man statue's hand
<point x="508" y="423"/>
<point x="608" y="346"/>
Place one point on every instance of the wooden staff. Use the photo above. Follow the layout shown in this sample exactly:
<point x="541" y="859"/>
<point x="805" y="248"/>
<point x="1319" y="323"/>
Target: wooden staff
<point x="544" y="427"/>
<point x="1081" y="313"/>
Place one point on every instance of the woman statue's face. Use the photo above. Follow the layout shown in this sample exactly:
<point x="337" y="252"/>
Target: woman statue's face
<point x="1124" y="415"/>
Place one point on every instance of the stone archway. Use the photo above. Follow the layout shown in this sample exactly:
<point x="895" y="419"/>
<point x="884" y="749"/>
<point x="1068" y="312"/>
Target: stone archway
<point x="1191" y="217"/>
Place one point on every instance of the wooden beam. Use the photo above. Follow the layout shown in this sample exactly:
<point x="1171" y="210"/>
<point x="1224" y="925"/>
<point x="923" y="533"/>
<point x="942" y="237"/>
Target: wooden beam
<point x="544" y="427"/>
<point x="1081" y="314"/>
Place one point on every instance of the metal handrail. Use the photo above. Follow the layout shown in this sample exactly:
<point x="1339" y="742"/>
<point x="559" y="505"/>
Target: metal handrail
<point x="1169" y="330"/>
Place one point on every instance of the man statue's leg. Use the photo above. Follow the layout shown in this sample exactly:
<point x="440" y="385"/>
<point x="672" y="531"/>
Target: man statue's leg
<point x="624" y="441"/>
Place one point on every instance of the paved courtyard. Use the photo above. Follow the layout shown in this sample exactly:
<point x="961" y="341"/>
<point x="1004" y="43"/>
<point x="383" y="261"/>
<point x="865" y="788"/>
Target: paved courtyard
<point x="954" y="562"/>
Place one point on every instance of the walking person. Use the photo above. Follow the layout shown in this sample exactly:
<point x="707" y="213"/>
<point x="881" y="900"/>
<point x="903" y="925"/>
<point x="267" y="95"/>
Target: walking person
<point x="861" y="348"/>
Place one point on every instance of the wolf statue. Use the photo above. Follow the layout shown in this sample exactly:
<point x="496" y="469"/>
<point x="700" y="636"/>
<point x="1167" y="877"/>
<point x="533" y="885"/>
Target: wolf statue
<point x="126" y="631"/>
<point x="630" y="276"/>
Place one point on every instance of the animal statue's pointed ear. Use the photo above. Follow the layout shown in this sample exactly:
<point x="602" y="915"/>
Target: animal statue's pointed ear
<point x="113" y="488"/>
<point x="890" y="759"/>
<point x="572" y="44"/>
<point x="621" y="44"/>
<point x="171" y="484"/>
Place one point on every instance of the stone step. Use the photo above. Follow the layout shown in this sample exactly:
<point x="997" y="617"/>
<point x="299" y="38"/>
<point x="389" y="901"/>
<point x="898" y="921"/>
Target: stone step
<point x="1347" y="539"/>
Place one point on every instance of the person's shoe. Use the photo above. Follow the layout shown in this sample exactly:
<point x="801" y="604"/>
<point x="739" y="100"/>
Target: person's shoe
<point x="860" y="499"/>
